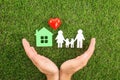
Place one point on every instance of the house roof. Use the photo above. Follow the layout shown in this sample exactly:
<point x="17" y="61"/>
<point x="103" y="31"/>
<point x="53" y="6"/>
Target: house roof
<point x="43" y="31"/>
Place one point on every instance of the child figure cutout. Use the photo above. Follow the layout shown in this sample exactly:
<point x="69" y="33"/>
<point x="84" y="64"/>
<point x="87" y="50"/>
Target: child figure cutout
<point x="79" y="38"/>
<point x="60" y="39"/>
<point x="67" y="43"/>
<point x="72" y="43"/>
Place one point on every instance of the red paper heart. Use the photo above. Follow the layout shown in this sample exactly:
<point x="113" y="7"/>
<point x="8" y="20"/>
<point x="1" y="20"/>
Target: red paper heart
<point x="54" y="23"/>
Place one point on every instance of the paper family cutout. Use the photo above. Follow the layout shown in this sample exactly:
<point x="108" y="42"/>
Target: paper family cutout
<point x="79" y="38"/>
<point x="44" y="39"/>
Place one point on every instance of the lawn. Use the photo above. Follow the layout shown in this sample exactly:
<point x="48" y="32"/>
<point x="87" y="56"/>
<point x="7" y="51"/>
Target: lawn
<point x="97" y="18"/>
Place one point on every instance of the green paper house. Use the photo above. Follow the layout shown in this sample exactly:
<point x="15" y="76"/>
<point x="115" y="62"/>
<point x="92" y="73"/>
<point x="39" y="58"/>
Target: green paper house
<point x="43" y="38"/>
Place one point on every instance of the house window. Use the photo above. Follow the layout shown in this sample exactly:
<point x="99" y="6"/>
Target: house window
<point x="44" y="39"/>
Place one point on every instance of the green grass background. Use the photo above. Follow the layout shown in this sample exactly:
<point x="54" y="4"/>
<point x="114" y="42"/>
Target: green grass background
<point x="97" y="18"/>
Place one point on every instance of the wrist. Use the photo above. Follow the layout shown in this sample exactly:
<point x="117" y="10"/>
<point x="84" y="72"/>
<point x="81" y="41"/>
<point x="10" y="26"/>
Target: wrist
<point x="65" y="76"/>
<point x="53" y="76"/>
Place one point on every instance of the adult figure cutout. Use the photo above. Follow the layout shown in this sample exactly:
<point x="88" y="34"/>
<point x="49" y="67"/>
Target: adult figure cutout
<point x="60" y="39"/>
<point x="79" y="38"/>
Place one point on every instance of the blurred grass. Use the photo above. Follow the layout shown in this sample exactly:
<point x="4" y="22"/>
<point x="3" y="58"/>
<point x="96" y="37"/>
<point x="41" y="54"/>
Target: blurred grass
<point x="97" y="18"/>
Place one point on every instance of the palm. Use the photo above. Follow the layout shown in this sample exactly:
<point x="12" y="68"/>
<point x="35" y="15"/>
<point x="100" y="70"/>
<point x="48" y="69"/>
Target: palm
<point x="70" y="66"/>
<point x="44" y="64"/>
<point x="73" y="65"/>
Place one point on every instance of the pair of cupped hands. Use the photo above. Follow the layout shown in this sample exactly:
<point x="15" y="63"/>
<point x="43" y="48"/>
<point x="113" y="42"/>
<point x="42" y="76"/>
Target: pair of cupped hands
<point x="67" y="69"/>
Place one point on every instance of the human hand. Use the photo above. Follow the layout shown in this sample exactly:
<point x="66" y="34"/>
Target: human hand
<point x="69" y="67"/>
<point x="44" y="64"/>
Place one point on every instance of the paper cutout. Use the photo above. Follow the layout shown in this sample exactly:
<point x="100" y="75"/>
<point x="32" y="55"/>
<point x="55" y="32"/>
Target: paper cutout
<point x="60" y="39"/>
<point x="43" y="38"/>
<point x="79" y="38"/>
<point x="54" y="23"/>
<point x="67" y="43"/>
<point x="72" y="43"/>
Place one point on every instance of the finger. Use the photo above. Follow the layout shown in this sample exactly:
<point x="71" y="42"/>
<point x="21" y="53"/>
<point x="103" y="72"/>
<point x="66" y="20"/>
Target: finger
<point x="33" y="49"/>
<point x="31" y="53"/>
<point x="28" y="49"/>
<point x="92" y="45"/>
<point x="90" y="49"/>
<point x="26" y="45"/>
